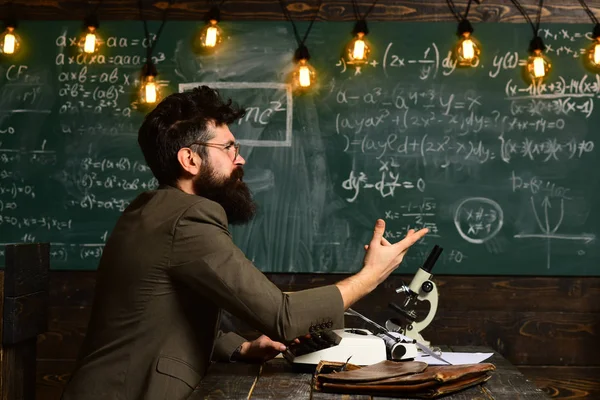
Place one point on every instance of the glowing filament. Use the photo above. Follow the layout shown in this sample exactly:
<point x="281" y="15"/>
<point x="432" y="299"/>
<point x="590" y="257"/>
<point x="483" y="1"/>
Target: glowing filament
<point x="304" y="76"/>
<point x="359" y="49"/>
<point x="150" y="90"/>
<point x="468" y="49"/>
<point x="90" y="43"/>
<point x="9" y="43"/>
<point x="539" y="68"/>
<point x="596" y="55"/>
<point x="211" y="37"/>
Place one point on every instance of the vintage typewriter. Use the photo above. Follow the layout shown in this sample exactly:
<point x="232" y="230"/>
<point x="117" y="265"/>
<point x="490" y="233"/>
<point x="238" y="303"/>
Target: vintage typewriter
<point x="360" y="345"/>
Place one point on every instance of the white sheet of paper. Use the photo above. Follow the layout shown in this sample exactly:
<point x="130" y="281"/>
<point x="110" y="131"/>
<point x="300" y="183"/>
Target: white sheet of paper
<point x="455" y="358"/>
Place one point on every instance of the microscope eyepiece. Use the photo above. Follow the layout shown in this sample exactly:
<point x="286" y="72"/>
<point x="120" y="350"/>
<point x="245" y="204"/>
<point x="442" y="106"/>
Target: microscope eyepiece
<point x="432" y="258"/>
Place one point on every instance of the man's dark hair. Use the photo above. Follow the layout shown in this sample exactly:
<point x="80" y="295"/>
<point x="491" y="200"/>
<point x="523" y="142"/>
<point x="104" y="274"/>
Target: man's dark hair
<point x="176" y="122"/>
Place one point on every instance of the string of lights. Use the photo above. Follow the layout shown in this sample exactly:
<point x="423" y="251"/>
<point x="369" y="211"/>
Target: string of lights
<point x="466" y="53"/>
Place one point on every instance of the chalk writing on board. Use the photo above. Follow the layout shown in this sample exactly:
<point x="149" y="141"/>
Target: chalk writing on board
<point x="61" y="251"/>
<point x="80" y="91"/>
<point x="90" y="201"/>
<point x="126" y="128"/>
<point x="8" y="205"/>
<point x="14" y="190"/>
<point x="385" y="184"/>
<point x="535" y="185"/>
<point x="559" y="88"/>
<point x="451" y="256"/>
<point x="429" y="63"/>
<point x="15" y="93"/>
<point x="39" y="157"/>
<point x="120" y="164"/>
<point x="545" y="150"/>
<point x="416" y="215"/>
<point x="549" y="228"/>
<point x="7" y="131"/>
<point x="92" y="180"/>
<point x="259" y="115"/>
<point x="48" y="223"/>
<point x="478" y="219"/>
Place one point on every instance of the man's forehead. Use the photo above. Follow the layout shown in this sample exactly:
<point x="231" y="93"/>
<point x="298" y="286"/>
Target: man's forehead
<point x="223" y="134"/>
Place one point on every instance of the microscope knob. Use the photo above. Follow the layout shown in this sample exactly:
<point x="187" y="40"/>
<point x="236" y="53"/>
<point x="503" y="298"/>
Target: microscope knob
<point x="427" y="286"/>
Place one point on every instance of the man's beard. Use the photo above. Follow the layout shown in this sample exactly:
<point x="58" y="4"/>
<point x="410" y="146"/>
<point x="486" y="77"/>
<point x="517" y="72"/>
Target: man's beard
<point x="231" y="193"/>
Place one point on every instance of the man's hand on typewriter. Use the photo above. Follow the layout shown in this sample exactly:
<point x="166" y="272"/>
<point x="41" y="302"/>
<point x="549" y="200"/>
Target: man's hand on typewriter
<point x="260" y="350"/>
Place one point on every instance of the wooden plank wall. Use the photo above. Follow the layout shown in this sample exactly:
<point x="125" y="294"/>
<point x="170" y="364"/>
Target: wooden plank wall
<point x="549" y="327"/>
<point x="2" y="355"/>
<point x="23" y="314"/>
<point x="330" y="10"/>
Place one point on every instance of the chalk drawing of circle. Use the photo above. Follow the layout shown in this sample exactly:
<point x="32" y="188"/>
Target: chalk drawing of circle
<point x="478" y="202"/>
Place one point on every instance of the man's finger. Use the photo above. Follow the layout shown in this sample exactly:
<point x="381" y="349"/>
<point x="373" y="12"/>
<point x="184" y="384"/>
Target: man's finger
<point x="384" y="242"/>
<point x="378" y="232"/>
<point x="278" y="346"/>
<point x="412" y="239"/>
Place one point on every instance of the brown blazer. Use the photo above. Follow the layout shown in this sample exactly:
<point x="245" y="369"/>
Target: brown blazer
<point x="167" y="270"/>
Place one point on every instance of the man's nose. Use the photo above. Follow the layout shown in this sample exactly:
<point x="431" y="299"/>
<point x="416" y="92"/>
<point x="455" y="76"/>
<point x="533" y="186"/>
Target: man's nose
<point x="239" y="160"/>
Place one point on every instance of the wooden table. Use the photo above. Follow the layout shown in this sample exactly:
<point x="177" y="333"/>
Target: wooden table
<point x="276" y="380"/>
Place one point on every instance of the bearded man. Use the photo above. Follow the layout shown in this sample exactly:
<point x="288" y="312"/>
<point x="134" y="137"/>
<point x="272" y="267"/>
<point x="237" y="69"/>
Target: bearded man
<point x="170" y="266"/>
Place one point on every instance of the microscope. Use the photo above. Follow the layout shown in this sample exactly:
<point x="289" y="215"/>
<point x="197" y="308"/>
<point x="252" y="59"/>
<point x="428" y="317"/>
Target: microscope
<point x="421" y="288"/>
<point x="396" y="341"/>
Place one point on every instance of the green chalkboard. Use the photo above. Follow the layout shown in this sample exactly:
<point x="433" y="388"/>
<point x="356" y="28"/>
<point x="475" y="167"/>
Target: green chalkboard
<point x="504" y="175"/>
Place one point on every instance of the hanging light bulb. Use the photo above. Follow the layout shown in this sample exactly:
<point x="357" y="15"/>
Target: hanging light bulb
<point x="89" y="41"/>
<point x="149" y="93"/>
<point x="9" y="40"/>
<point x="467" y="50"/>
<point x="212" y="34"/>
<point x="538" y="65"/>
<point x="593" y="52"/>
<point x="358" y="50"/>
<point x="304" y="75"/>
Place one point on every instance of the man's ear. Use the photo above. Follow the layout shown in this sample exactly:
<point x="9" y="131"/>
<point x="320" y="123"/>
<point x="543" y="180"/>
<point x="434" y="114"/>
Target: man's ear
<point x="189" y="161"/>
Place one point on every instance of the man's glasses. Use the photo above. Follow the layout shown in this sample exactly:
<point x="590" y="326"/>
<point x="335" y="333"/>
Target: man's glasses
<point x="223" y="146"/>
